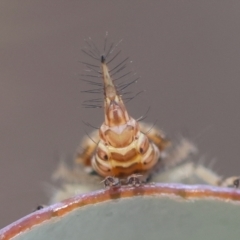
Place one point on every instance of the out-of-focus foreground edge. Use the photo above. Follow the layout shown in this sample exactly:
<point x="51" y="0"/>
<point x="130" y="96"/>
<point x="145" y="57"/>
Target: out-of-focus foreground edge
<point x="156" y="189"/>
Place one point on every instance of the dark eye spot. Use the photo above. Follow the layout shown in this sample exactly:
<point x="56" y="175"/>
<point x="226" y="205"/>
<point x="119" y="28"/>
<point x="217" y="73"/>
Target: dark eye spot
<point x="102" y="154"/>
<point x="141" y="150"/>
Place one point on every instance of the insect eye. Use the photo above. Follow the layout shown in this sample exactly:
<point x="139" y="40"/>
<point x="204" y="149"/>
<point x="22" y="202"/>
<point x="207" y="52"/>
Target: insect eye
<point x="143" y="145"/>
<point x="102" y="154"/>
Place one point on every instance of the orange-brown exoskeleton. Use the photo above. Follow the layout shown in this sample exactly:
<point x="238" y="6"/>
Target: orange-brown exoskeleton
<point x="123" y="147"/>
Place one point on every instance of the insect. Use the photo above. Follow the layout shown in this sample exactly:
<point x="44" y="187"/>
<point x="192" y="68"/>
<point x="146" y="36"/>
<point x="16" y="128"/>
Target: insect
<point x="124" y="147"/>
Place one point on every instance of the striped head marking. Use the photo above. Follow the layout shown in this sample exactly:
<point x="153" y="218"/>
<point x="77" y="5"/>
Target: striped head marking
<point x="114" y="108"/>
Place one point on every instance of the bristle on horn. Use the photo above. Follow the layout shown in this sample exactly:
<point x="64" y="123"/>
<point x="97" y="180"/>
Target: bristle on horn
<point x="115" y="110"/>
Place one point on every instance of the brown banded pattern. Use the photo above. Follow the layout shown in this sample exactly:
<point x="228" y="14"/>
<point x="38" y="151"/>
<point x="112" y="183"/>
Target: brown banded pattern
<point x="122" y="148"/>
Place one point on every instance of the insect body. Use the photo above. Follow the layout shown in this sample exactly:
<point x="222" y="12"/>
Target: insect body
<point x="123" y="147"/>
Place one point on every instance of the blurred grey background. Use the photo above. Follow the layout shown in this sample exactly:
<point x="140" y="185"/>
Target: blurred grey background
<point x="186" y="52"/>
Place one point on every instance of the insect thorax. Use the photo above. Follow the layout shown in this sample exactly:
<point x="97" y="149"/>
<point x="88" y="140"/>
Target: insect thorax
<point x="124" y="150"/>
